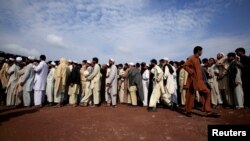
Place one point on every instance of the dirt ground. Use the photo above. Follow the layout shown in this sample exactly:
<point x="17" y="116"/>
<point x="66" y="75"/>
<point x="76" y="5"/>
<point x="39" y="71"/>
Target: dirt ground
<point x="123" y="123"/>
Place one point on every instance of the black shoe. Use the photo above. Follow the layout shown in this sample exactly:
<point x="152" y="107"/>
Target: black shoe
<point x="213" y="115"/>
<point x="38" y="106"/>
<point x="188" y="114"/>
<point x="152" y="109"/>
<point x="174" y="106"/>
<point x="18" y="106"/>
<point x="58" y="105"/>
<point x="50" y="104"/>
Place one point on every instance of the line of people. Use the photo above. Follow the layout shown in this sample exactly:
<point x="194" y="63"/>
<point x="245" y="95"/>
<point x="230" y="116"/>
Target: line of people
<point x="211" y="82"/>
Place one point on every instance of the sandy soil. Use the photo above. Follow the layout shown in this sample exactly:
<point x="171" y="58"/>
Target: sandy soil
<point x="123" y="123"/>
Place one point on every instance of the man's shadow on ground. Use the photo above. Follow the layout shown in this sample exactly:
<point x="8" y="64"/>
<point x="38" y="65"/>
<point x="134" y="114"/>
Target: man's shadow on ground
<point x="8" y="113"/>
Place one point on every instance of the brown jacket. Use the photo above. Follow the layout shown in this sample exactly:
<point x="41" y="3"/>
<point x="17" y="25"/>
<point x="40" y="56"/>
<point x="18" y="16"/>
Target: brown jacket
<point x="193" y="67"/>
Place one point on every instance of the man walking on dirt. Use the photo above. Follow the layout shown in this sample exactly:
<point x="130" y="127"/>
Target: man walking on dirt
<point x="195" y="83"/>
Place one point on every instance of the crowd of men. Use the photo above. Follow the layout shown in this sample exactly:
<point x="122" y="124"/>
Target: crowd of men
<point x="220" y="82"/>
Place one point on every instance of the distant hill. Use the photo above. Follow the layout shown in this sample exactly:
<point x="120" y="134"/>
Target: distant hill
<point x="8" y="55"/>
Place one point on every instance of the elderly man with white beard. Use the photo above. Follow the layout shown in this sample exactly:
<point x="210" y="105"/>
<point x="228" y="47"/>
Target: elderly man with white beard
<point x="158" y="88"/>
<point x="170" y="95"/>
<point x="13" y="78"/>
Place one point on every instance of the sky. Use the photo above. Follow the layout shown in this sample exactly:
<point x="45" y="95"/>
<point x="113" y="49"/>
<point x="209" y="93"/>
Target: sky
<point x="125" y="30"/>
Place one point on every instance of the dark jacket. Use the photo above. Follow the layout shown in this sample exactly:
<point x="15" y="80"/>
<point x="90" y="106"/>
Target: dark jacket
<point x="74" y="76"/>
<point x="135" y="79"/>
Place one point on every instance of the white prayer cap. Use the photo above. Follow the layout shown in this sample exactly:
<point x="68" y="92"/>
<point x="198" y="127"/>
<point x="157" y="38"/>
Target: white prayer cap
<point x="166" y="59"/>
<point x="53" y="63"/>
<point x="112" y="60"/>
<point x="107" y="64"/>
<point x="147" y="65"/>
<point x="70" y="61"/>
<point x="19" y="59"/>
<point x="75" y="62"/>
<point x="220" y="54"/>
<point x="131" y="64"/>
<point x="89" y="62"/>
<point x="31" y="57"/>
<point x="11" y="59"/>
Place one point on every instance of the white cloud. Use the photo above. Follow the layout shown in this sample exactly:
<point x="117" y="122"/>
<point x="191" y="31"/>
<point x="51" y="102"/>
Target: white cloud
<point x="126" y="30"/>
<point x="55" y="41"/>
<point x="124" y="50"/>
